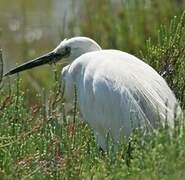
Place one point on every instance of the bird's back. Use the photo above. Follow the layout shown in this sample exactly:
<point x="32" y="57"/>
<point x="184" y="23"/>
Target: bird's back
<point x="118" y="90"/>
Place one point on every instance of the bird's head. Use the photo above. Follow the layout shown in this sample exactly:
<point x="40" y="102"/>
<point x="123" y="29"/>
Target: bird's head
<point x="68" y="50"/>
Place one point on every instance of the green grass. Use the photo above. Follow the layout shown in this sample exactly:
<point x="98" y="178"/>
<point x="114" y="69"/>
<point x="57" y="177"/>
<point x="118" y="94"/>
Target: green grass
<point x="39" y="141"/>
<point x="34" y="144"/>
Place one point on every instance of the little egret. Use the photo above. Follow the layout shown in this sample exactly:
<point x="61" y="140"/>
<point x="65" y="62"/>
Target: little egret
<point x="117" y="92"/>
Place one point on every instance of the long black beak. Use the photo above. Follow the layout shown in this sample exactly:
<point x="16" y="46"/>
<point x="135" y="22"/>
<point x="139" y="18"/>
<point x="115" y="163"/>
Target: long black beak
<point x="49" y="58"/>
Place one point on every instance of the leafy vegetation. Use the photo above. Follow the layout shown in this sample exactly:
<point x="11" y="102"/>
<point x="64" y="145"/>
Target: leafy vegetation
<point x="167" y="55"/>
<point x="39" y="141"/>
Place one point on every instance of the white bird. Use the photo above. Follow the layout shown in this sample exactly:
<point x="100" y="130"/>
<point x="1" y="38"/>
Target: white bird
<point x="117" y="92"/>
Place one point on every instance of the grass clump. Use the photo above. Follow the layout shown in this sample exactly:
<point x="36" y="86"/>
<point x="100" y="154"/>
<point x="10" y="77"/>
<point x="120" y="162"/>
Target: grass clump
<point x="167" y="55"/>
<point x="34" y="144"/>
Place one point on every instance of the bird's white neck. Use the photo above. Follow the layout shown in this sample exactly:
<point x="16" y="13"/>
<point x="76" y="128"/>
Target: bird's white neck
<point x="88" y="46"/>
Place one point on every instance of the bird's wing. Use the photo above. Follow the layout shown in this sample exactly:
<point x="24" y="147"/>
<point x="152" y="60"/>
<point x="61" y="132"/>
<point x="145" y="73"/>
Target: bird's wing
<point x="118" y="90"/>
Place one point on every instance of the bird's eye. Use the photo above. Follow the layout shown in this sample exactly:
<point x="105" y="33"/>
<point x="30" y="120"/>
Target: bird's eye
<point x="67" y="49"/>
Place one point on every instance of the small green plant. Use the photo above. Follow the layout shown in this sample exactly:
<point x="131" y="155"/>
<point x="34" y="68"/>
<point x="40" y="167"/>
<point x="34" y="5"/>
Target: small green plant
<point x="167" y="55"/>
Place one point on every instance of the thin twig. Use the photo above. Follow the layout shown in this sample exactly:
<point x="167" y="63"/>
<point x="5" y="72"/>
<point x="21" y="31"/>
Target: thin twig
<point x="75" y="105"/>
<point x="1" y="67"/>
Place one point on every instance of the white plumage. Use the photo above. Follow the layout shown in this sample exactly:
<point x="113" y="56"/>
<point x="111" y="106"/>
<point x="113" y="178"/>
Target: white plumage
<point x="116" y="91"/>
